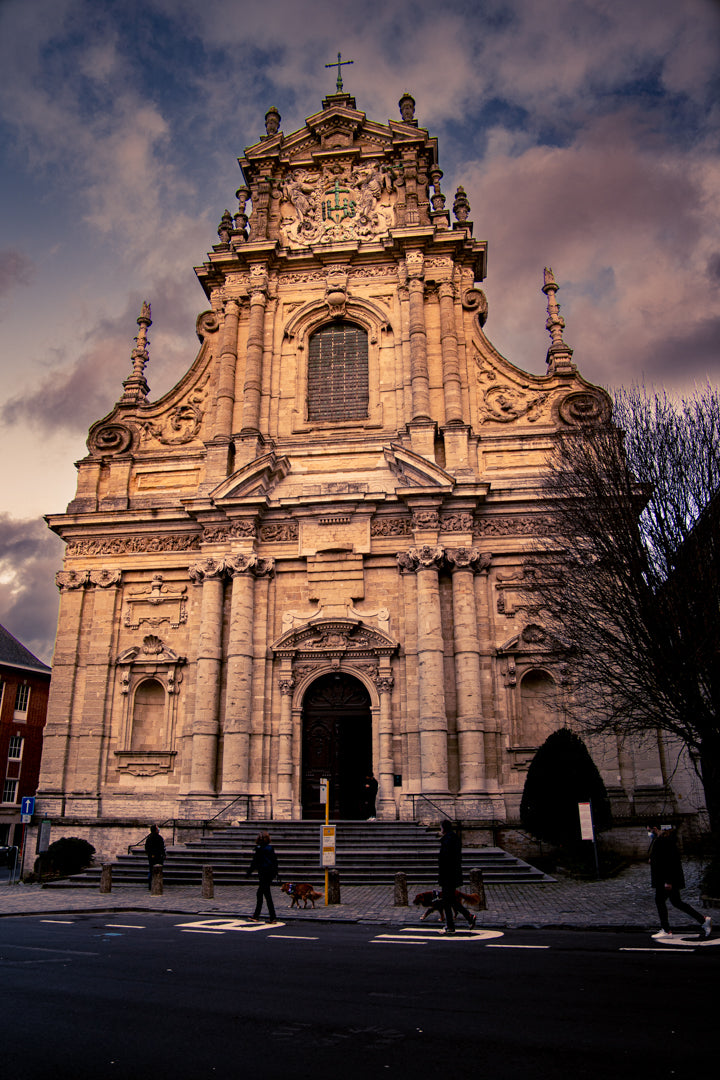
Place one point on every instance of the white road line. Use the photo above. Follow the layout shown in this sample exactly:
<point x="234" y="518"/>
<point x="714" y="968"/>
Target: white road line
<point x="388" y="940"/>
<point x="183" y="931"/>
<point x="63" y="922"/>
<point x="125" y="926"/>
<point x="293" y="937"/>
<point x="650" y="949"/>
<point x="518" y="946"/>
<point x="398" y="937"/>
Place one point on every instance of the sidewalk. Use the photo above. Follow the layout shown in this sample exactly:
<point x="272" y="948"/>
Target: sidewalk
<point x="625" y="901"/>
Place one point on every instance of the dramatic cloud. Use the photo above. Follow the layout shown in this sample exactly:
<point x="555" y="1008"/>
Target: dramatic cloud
<point x="16" y="269"/>
<point x="29" y="556"/>
<point x="585" y="133"/>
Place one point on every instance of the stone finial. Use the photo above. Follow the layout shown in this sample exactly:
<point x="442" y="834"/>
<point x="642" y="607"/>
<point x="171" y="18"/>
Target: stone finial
<point x="241" y="219"/>
<point x="225" y="228"/>
<point x="407" y="108"/>
<point x="135" y="388"/>
<point x="461" y="206"/>
<point x="559" y="355"/>
<point x="272" y="121"/>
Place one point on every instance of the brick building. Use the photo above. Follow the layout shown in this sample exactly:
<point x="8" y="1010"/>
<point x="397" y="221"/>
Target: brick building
<point x="24" y="683"/>
<point x="313" y="556"/>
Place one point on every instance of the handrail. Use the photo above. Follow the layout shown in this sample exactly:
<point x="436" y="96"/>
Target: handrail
<point x="246" y="795"/>
<point x="170" y="821"/>
<point x="414" y="796"/>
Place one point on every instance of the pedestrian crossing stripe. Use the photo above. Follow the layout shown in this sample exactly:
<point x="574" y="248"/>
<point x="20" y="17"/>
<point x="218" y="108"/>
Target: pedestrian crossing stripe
<point x="219" y="926"/>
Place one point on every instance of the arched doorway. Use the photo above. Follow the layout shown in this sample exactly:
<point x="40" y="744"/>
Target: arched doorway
<point x="337" y="744"/>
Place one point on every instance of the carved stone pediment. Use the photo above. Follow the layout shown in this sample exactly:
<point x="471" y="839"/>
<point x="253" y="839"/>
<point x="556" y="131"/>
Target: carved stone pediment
<point x="414" y="471"/>
<point x="331" y="638"/>
<point x="256" y="478"/>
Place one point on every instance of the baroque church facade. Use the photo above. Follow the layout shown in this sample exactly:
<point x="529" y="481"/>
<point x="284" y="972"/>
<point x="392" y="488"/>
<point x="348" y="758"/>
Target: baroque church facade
<point x="312" y="558"/>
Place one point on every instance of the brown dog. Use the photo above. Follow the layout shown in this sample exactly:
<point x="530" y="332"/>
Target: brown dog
<point x="300" y="891"/>
<point x="432" y="900"/>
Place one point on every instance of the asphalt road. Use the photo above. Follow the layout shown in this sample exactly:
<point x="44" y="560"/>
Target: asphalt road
<point x="140" y="996"/>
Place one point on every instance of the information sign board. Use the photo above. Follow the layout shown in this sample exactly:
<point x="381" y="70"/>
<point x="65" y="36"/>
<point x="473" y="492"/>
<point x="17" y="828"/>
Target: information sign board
<point x="327" y="847"/>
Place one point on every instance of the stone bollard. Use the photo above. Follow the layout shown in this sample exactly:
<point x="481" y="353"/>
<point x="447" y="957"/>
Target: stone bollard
<point x="477" y="885"/>
<point x="156" y="888"/>
<point x="401" y="897"/>
<point x="333" y="887"/>
<point x="106" y="878"/>
<point x="208" y="887"/>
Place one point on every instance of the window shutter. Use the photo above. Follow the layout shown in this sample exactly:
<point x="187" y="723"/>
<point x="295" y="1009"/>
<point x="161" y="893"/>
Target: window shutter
<point x="338" y="373"/>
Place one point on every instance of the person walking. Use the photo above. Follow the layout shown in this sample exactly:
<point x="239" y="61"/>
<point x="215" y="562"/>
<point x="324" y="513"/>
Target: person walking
<point x="264" y="861"/>
<point x="667" y="879"/>
<point x="450" y="876"/>
<point x="155" y="851"/>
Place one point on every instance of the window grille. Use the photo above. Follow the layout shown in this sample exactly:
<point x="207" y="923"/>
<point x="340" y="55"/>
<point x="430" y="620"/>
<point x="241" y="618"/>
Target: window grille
<point x="15" y="747"/>
<point x="10" y="788"/>
<point x="22" y="697"/>
<point x="338" y="373"/>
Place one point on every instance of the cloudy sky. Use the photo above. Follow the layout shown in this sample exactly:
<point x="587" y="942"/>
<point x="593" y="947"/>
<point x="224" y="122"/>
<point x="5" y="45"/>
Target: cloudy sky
<point x="584" y="131"/>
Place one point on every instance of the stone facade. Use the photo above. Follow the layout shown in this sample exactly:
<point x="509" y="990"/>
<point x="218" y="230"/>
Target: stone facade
<point x="313" y="556"/>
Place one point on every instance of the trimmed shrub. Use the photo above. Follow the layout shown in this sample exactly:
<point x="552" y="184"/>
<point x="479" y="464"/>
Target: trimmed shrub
<point x="561" y="775"/>
<point x="68" y="855"/>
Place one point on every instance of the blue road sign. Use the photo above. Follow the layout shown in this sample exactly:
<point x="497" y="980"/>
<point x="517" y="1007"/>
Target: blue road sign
<point x="27" y="805"/>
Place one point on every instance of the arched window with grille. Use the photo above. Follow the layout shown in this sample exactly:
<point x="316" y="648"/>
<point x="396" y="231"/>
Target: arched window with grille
<point x="338" y="373"/>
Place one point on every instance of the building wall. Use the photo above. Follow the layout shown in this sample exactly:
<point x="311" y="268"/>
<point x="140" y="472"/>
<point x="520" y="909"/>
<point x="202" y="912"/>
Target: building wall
<point x="27" y="725"/>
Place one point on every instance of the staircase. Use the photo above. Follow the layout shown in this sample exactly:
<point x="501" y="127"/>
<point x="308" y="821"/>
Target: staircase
<point x="368" y="853"/>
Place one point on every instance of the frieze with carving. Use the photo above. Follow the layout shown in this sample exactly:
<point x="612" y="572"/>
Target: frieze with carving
<point x="460" y="522"/>
<point x="334" y="639"/>
<point x="280" y="532"/>
<point x="538" y="525"/>
<point x="214" y="534"/>
<point x="426" y="519"/>
<point x="391" y="526"/>
<point x="134" y="545"/>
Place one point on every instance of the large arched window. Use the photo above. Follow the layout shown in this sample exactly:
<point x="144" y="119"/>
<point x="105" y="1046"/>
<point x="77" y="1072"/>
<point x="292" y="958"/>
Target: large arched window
<point x="338" y="373"/>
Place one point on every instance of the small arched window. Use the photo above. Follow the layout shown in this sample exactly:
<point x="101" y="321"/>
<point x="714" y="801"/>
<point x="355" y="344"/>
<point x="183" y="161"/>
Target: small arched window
<point x="148" y="722"/>
<point x="338" y="373"/>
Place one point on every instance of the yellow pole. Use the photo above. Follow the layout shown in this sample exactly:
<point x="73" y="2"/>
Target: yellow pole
<point x="327" y="822"/>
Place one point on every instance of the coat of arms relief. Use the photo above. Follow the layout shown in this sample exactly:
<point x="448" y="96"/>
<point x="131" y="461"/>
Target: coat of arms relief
<point x="335" y="204"/>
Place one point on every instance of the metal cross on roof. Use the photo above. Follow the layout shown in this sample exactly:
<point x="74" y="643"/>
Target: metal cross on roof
<point x="338" y="64"/>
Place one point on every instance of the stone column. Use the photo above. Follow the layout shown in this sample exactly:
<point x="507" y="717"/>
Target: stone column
<point x="286" y="684"/>
<point x="98" y="680"/>
<point x="225" y="398"/>
<point x="464" y="563"/>
<point x="205" y="729"/>
<point x="255" y="344"/>
<point x="386" y="802"/>
<point x="56" y="734"/>
<point x="238" y="707"/>
<point x="449" y="346"/>
<point x="419" y="377"/>
<point x="425" y="562"/>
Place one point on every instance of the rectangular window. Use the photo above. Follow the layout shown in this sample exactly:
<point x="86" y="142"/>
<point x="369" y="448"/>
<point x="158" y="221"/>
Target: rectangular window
<point x="10" y="788"/>
<point x="338" y="373"/>
<point x="15" y="747"/>
<point x="22" y="697"/>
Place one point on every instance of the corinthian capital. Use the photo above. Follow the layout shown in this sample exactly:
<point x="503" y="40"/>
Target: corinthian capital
<point x="426" y="557"/>
<point x="464" y="558"/>
<point x="207" y="568"/>
<point x="71" y="579"/>
<point x="105" y="578"/>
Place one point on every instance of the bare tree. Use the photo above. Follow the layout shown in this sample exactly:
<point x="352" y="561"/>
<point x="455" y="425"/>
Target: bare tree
<point x="635" y="513"/>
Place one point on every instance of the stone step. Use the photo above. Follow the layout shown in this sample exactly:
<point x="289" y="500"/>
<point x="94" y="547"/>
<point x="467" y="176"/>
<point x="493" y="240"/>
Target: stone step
<point x="368" y="853"/>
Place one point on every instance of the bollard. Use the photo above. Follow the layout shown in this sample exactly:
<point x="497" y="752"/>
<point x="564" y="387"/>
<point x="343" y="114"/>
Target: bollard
<point x="208" y="888"/>
<point x="333" y="887"/>
<point x="401" y="897"/>
<point x="106" y="878"/>
<point x="156" y="888"/>
<point x="477" y="885"/>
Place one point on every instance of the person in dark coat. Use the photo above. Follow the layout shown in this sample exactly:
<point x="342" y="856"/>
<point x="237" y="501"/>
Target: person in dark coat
<point x="667" y="879"/>
<point x="264" y="862"/>
<point x="155" y="851"/>
<point x="450" y="876"/>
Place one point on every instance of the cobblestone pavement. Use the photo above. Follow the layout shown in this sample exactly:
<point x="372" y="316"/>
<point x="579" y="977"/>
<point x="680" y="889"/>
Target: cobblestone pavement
<point x="623" y="901"/>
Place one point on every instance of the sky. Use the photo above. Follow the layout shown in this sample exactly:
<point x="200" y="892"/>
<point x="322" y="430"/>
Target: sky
<point x="585" y="132"/>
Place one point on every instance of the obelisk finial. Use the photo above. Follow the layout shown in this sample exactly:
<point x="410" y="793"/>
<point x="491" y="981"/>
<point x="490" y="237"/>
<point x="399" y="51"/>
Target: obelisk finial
<point x="135" y="387"/>
<point x="559" y="355"/>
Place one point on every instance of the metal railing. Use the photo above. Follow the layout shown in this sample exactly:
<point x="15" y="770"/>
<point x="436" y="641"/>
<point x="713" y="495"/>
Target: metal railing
<point x="434" y="806"/>
<point x="247" y="797"/>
